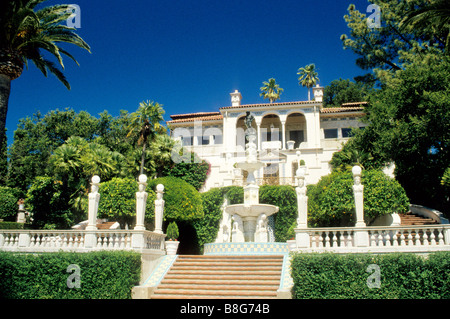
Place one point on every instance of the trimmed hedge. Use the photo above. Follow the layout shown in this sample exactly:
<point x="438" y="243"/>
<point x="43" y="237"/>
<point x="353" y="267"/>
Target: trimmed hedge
<point x="402" y="276"/>
<point x="182" y="200"/>
<point x="103" y="275"/>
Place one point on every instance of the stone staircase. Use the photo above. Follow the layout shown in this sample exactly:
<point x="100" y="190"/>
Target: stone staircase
<point x="216" y="277"/>
<point x="412" y="219"/>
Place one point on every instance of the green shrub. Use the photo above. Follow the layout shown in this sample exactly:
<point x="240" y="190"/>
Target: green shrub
<point x="172" y="231"/>
<point x="11" y="225"/>
<point x="182" y="200"/>
<point x="208" y="227"/>
<point x="331" y="201"/>
<point x="118" y="201"/>
<point x="103" y="275"/>
<point x="402" y="276"/>
<point x="8" y="202"/>
<point x="285" y="198"/>
<point x="48" y="201"/>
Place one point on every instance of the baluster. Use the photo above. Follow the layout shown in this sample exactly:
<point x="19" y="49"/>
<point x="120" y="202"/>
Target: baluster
<point x="320" y="239"/>
<point x="441" y="237"/>
<point x="6" y="244"/>
<point x="373" y="241"/>
<point x="16" y="240"/>
<point x="410" y="238"/>
<point x="313" y="240"/>
<point x="433" y="238"/>
<point x="81" y="240"/>
<point x="349" y="239"/>
<point x="395" y="238"/>
<point x="32" y="240"/>
<point x="425" y="237"/>
<point x="117" y="241"/>
<point x="100" y="240"/>
<point x="327" y="239"/>
<point x="402" y="239"/>
<point x="335" y="239"/>
<point x="387" y="239"/>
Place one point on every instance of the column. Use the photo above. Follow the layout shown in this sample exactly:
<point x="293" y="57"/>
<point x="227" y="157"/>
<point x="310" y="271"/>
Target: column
<point x="90" y="239"/>
<point x="361" y="235"/>
<point x="159" y="208"/>
<point x="283" y="134"/>
<point x="359" y="197"/>
<point x="301" y="235"/>
<point x="258" y="127"/>
<point x="141" y="202"/>
<point x="94" y="198"/>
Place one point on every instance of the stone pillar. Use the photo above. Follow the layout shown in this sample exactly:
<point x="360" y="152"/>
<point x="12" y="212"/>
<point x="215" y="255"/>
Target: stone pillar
<point x="301" y="235"/>
<point x="141" y="202"/>
<point x="283" y="135"/>
<point x="359" y="197"/>
<point x="361" y="235"/>
<point x="21" y="214"/>
<point x="90" y="240"/>
<point x="302" y="199"/>
<point x="94" y="199"/>
<point x="159" y="208"/>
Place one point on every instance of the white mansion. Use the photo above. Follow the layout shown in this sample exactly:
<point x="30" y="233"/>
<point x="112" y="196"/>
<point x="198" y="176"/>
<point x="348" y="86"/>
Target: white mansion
<point x="288" y="133"/>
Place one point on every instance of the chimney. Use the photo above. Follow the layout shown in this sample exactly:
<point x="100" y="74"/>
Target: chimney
<point x="318" y="93"/>
<point x="236" y="98"/>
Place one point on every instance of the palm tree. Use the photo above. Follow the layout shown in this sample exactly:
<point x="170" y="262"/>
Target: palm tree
<point x="146" y="122"/>
<point x="436" y="16"/>
<point x="24" y="34"/>
<point x="308" y="77"/>
<point x="271" y="90"/>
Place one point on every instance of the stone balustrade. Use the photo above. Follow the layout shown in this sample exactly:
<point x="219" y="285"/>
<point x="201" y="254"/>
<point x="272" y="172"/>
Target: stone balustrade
<point x="373" y="239"/>
<point x="71" y="240"/>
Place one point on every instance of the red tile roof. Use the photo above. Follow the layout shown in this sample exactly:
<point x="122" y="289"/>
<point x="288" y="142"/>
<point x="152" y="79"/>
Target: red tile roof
<point x="192" y="117"/>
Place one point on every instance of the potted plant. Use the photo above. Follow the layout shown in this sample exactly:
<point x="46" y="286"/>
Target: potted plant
<point x="172" y="243"/>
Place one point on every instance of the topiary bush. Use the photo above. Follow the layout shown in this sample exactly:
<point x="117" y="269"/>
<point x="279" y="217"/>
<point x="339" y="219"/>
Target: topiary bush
<point x="182" y="200"/>
<point x="118" y="201"/>
<point x="103" y="275"/>
<point x="331" y="201"/>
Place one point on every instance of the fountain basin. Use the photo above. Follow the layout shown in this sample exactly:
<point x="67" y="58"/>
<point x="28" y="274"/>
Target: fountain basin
<point x="249" y="214"/>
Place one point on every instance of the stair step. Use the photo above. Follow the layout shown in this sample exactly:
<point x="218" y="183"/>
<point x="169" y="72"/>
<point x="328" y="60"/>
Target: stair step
<point x="221" y="277"/>
<point x="189" y="292"/>
<point x="220" y="282"/>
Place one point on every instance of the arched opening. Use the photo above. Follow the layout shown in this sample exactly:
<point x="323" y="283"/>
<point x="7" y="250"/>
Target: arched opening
<point x="188" y="239"/>
<point x="296" y="129"/>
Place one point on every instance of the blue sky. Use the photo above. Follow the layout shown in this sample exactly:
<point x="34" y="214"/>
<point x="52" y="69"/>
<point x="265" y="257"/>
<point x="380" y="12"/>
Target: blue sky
<point x="189" y="55"/>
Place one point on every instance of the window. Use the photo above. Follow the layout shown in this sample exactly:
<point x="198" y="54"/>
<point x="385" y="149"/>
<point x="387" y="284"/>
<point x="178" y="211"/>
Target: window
<point x="218" y="139"/>
<point x="187" y="140"/>
<point x="331" y="133"/>
<point x="297" y="136"/>
<point x="346" y="132"/>
<point x="203" y="140"/>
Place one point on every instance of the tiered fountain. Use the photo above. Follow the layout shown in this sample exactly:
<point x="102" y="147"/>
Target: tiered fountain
<point x="250" y="219"/>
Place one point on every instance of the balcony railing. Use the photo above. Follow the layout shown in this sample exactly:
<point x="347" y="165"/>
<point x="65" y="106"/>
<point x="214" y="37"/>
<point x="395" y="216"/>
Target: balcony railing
<point x="374" y="239"/>
<point x="72" y="240"/>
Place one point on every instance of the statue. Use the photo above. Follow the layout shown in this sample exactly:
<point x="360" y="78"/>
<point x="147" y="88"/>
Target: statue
<point x="238" y="229"/>
<point x="261" y="234"/>
<point x="359" y="197"/>
<point x="249" y="118"/>
<point x="224" y="230"/>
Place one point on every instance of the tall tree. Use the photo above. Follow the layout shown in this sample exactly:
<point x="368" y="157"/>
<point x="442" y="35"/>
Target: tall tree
<point x="435" y="17"/>
<point x="308" y="77"/>
<point x="24" y="34"/>
<point x="146" y="123"/>
<point x="271" y="90"/>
